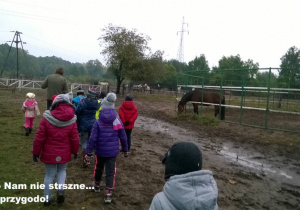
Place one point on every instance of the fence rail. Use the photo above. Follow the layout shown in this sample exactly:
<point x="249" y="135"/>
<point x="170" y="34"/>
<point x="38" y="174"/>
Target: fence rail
<point x="21" y="83"/>
<point x="268" y="107"/>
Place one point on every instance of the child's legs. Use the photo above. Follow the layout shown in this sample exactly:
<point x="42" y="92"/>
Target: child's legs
<point x="31" y="119"/>
<point x="128" y="135"/>
<point x="49" y="177"/>
<point x="110" y="170"/>
<point x="84" y="137"/>
<point x="27" y="122"/>
<point x="99" y="168"/>
<point x="95" y="166"/>
<point x="61" y="175"/>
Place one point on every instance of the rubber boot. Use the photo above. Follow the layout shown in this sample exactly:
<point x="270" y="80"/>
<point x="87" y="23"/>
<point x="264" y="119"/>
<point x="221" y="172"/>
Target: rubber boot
<point x="60" y="196"/>
<point x="30" y="129"/>
<point x="108" y="195"/>
<point x="27" y="131"/>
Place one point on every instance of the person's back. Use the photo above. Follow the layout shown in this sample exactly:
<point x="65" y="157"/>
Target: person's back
<point x="86" y="110"/>
<point x="80" y="96"/>
<point x="187" y="186"/>
<point x="56" y="84"/>
<point x="128" y="113"/>
<point x="54" y="143"/>
<point x="106" y="132"/>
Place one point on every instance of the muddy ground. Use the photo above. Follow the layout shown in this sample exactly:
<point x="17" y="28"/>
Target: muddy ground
<point x="253" y="168"/>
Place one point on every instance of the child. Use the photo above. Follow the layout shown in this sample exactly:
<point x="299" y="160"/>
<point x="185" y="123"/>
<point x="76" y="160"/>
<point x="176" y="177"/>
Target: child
<point x="188" y="186"/>
<point x="55" y="141"/>
<point x="80" y="96"/>
<point x="106" y="132"/>
<point x="101" y="96"/>
<point x="86" y="110"/>
<point x="128" y="113"/>
<point x="31" y="109"/>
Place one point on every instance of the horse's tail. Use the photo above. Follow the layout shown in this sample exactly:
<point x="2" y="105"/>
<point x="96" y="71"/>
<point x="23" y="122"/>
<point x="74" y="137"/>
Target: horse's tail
<point x="223" y="109"/>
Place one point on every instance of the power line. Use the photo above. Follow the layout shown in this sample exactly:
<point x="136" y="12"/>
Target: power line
<point x="34" y="17"/>
<point x="17" y="39"/>
<point x="180" y="54"/>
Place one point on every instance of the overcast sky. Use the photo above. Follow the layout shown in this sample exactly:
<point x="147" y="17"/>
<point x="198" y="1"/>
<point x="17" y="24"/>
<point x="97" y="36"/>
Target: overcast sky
<point x="261" y="30"/>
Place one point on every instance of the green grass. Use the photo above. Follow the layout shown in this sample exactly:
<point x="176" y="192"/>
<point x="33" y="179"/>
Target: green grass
<point x="202" y="119"/>
<point x="16" y="165"/>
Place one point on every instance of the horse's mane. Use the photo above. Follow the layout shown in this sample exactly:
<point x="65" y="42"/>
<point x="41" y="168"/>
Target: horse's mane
<point x="186" y="97"/>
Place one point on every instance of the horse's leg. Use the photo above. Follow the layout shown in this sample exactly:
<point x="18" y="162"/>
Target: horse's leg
<point x="216" y="110"/>
<point x="195" y="108"/>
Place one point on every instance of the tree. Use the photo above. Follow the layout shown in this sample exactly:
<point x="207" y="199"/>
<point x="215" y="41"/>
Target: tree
<point x="200" y="66"/>
<point x="289" y="74"/>
<point x="94" y="69"/>
<point x="148" y="69"/>
<point x="262" y="79"/>
<point x="180" y="67"/>
<point x="169" y="78"/>
<point x="122" y="48"/>
<point x="235" y="70"/>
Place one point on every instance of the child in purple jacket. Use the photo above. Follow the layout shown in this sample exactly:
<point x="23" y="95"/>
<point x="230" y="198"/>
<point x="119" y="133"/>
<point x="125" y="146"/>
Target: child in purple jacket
<point x="105" y="135"/>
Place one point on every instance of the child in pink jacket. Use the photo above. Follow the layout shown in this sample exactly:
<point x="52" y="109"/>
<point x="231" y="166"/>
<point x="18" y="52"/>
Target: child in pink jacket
<point x="31" y="109"/>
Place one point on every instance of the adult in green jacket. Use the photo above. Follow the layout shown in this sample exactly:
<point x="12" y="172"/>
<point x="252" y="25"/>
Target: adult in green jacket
<point x="56" y="84"/>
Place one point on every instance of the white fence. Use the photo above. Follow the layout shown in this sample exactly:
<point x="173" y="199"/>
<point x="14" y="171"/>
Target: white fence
<point x="21" y="83"/>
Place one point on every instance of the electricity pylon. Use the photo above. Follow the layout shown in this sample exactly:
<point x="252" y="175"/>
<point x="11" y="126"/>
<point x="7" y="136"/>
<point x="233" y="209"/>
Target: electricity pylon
<point x="17" y="39"/>
<point x="180" y="54"/>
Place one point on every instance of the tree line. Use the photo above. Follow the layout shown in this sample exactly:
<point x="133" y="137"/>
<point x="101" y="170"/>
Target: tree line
<point x="130" y="60"/>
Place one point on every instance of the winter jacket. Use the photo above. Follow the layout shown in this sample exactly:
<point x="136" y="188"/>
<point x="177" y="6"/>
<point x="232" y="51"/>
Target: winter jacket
<point x="128" y="112"/>
<point x="76" y="100"/>
<point x="105" y="135"/>
<point x="57" y="137"/>
<point x="55" y="84"/>
<point x="194" y="190"/>
<point x="30" y="108"/>
<point x="86" y="110"/>
<point x="98" y="110"/>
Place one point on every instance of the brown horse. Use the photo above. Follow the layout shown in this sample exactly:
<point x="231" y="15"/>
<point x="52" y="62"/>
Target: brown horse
<point x="208" y="97"/>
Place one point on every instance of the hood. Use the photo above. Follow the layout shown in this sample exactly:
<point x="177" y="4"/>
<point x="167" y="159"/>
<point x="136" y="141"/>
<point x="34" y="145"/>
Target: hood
<point x="192" y="189"/>
<point x="128" y="105"/>
<point x="29" y="103"/>
<point x="107" y="116"/>
<point x="63" y="112"/>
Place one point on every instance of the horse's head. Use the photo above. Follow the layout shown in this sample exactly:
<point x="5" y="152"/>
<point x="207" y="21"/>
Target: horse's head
<point x="180" y="107"/>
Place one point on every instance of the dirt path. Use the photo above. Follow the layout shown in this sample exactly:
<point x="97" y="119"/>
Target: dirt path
<point x="249" y="174"/>
<point x="253" y="168"/>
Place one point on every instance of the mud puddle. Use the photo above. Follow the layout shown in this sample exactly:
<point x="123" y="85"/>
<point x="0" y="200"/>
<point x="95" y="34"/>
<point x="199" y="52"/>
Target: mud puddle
<point x="245" y="157"/>
<point x="257" y="161"/>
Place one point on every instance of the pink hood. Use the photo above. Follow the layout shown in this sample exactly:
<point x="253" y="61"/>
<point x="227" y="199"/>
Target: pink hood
<point x="29" y="102"/>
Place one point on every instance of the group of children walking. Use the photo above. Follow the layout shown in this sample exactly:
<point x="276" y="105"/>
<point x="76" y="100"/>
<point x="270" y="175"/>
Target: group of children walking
<point x="69" y="123"/>
<point x="187" y="185"/>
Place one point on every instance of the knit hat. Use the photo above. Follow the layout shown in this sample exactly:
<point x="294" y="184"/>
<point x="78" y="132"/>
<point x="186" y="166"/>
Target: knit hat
<point x="182" y="158"/>
<point x="128" y="97"/>
<point x="91" y="93"/>
<point x="53" y="97"/>
<point x="80" y="92"/>
<point x="60" y="98"/>
<point x="30" y="95"/>
<point x="109" y="101"/>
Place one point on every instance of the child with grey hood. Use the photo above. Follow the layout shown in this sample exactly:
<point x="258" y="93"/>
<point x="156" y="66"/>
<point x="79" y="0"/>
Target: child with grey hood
<point x="188" y="186"/>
